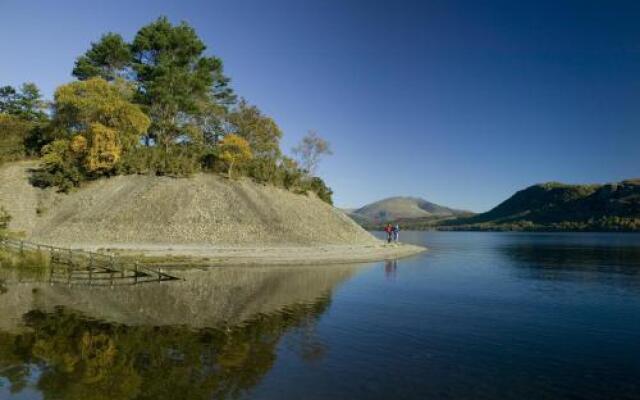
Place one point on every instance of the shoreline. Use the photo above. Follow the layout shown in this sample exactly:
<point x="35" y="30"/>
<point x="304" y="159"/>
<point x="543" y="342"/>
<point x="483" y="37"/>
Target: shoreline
<point x="207" y="255"/>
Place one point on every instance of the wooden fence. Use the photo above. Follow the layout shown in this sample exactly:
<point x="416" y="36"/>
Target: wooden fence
<point x="87" y="267"/>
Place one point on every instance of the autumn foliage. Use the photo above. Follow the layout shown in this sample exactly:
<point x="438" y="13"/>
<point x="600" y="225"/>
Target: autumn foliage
<point x="94" y="124"/>
<point x="234" y="151"/>
<point x="156" y="105"/>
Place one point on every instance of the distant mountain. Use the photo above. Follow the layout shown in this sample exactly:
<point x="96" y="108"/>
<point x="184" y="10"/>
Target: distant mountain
<point x="403" y="209"/>
<point x="556" y="206"/>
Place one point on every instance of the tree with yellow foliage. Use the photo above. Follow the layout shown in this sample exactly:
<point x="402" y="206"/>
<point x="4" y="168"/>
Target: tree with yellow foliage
<point x="95" y="123"/>
<point x="234" y="151"/>
<point x="78" y="105"/>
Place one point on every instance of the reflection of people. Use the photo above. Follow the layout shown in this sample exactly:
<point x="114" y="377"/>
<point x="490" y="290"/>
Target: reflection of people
<point x="389" y="230"/>
<point x="390" y="268"/>
<point x="396" y="233"/>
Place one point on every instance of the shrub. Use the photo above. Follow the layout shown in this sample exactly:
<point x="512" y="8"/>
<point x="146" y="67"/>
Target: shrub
<point x="60" y="167"/>
<point x="320" y="188"/>
<point x="263" y="170"/>
<point x="182" y="160"/>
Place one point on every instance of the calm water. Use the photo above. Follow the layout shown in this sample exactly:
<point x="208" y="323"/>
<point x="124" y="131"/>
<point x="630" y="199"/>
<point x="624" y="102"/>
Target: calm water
<point x="480" y="316"/>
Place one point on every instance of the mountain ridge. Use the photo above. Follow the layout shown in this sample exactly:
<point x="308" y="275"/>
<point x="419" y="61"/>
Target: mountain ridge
<point x="559" y="206"/>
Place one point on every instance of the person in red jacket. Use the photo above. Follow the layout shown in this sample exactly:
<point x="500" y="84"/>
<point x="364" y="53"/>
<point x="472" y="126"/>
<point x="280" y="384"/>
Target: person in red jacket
<point x="389" y="230"/>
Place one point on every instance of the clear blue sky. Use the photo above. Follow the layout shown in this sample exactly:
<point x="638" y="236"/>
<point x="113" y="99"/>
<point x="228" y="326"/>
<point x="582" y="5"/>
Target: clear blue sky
<point x="460" y="102"/>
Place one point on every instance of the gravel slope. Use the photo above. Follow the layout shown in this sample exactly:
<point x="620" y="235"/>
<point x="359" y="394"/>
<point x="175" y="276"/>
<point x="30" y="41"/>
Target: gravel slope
<point x="204" y="209"/>
<point x="205" y="216"/>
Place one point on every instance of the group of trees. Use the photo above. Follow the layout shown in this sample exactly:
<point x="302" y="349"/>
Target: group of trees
<point x="22" y="119"/>
<point x="159" y="105"/>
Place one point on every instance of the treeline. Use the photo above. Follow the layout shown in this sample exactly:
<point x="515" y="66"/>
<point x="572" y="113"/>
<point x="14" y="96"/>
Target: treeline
<point x="602" y="224"/>
<point x="155" y="105"/>
<point x="612" y="207"/>
<point x="549" y="207"/>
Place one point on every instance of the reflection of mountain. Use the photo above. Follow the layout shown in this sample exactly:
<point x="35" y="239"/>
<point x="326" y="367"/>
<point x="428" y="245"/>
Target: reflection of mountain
<point x="212" y="336"/>
<point x="574" y="262"/>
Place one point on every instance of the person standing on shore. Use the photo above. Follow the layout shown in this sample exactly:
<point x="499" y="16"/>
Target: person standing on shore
<point x="396" y="233"/>
<point x="389" y="230"/>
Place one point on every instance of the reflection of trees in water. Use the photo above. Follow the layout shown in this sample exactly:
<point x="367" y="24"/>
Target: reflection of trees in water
<point x="81" y="358"/>
<point x="549" y="262"/>
<point x="614" y="259"/>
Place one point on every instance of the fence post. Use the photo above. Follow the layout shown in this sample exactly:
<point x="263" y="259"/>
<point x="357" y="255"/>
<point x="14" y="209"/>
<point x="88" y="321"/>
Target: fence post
<point x="22" y="247"/>
<point x="135" y="274"/>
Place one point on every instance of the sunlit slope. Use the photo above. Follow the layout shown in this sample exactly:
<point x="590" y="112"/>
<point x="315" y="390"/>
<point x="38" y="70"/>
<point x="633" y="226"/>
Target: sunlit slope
<point x="203" y="209"/>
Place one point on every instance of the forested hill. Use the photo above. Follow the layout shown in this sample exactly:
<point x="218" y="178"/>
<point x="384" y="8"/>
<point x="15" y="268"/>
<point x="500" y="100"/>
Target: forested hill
<point x="555" y="206"/>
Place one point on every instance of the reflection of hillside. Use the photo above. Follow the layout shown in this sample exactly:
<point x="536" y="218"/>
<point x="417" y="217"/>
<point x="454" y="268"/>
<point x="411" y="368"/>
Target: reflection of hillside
<point x="73" y="357"/>
<point x="206" y="298"/>
<point x="213" y="335"/>
<point x="549" y="259"/>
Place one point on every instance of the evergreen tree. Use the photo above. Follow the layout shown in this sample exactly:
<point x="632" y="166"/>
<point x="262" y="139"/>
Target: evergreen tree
<point x="175" y="77"/>
<point x="25" y="104"/>
<point x="109" y="58"/>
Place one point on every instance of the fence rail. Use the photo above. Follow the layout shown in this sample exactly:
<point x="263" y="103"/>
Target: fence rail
<point x="88" y="267"/>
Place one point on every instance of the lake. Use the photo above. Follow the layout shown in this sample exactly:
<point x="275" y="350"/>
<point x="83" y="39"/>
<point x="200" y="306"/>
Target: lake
<point x="480" y="316"/>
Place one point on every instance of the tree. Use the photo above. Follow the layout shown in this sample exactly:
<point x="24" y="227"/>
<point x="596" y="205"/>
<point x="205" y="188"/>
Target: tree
<point x="209" y="122"/>
<point x="174" y="77"/>
<point x="104" y="150"/>
<point x="310" y="151"/>
<point x="79" y="106"/>
<point x="94" y="123"/>
<point x="26" y="104"/>
<point x="109" y="59"/>
<point x="13" y="134"/>
<point x="262" y="133"/>
<point x="234" y="151"/>
<point x="9" y="101"/>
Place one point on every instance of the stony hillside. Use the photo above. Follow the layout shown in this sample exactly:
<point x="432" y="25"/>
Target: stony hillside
<point x="402" y="209"/>
<point x="556" y="206"/>
<point x="205" y="298"/>
<point x="204" y="209"/>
